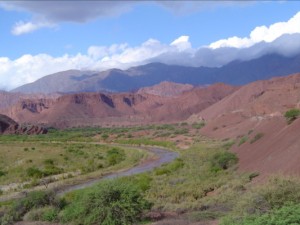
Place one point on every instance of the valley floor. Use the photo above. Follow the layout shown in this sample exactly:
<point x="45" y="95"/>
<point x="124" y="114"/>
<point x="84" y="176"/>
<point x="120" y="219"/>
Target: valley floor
<point x="202" y="186"/>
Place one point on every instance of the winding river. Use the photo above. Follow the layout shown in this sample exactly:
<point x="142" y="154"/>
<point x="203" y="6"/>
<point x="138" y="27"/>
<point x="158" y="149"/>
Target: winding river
<point x="161" y="156"/>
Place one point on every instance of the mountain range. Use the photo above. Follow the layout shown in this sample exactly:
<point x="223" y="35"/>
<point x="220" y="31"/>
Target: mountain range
<point x="116" y="80"/>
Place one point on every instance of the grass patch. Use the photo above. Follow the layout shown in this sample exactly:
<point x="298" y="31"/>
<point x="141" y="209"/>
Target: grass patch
<point x="60" y="158"/>
<point x="146" y="141"/>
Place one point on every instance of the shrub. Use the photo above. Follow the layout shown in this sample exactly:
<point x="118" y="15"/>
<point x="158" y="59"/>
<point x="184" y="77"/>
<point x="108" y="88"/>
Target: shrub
<point x="105" y="136"/>
<point x="2" y="173"/>
<point x="34" y="172"/>
<point x="49" y="162"/>
<point x="243" y="140"/>
<point x="198" y="125"/>
<point x="169" y="168"/>
<point x="223" y="160"/>
<point x="112" y="202"/>
<point x="34" y="200"/>
<point x="7" y="219"/>
<point x="48" y="213"/>
<point x="52" y="170"/>
<point x="292" y="115"/>
<point x="115" y="156"/>
<point x="256" y="137"/>
<point x="228" y="144"/>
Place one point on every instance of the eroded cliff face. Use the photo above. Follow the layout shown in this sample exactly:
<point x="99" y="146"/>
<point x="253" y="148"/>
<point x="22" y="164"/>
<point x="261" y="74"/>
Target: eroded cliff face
<point x="9" y="126"/>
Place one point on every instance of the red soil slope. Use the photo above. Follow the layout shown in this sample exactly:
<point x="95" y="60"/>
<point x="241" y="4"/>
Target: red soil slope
<point x="87" y="109"/>
<point x="258" y="109"/>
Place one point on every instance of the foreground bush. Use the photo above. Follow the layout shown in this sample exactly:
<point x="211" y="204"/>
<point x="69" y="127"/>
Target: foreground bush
<point x="34" y="200"/>
<point x="114" y="202"/>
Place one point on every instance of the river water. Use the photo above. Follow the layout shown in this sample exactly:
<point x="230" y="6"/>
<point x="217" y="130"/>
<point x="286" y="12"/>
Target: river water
<point x="162" y="156"/>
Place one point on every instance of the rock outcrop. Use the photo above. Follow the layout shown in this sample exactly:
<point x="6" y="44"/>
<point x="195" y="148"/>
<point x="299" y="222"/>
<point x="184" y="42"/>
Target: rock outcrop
<point x="9" y="126"/>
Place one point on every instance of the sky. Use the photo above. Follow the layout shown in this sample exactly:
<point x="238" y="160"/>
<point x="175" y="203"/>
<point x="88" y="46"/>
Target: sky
<point x="38" y="38"/>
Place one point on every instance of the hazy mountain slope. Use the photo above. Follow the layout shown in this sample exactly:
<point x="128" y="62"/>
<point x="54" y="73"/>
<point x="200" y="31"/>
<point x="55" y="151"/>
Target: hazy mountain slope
<point x="65" y="81"/>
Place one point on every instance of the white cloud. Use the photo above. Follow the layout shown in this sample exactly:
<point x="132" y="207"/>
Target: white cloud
<point x="261" y="33"/>
<point x="22" y="28"/>
<point x="182" y="43"/>
<point x="29" y="68"/>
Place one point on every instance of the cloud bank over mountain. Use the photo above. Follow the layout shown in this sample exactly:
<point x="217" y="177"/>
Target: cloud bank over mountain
<point x="282" y="38"/>
<point x="261" y="33"/>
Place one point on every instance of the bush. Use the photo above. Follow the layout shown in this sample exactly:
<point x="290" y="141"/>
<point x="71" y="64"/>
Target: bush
<point x="292" y="115"/>
<point x="6" y="219"/>
<point x="115" y="156"/>
<point x="198" y="125"/>
<point x="112" y="202"/>
<point x="169" y="168"/>
<point x="223" y="160"/>
<point x="2" y="173"/>
<point x="34" y="172"/>
<point x="34" y="200"/>
<point x="243" y="140"/>
<point x="256" y="137"/>
<point x="48" y="213"/>
<point x="228" y="144"/>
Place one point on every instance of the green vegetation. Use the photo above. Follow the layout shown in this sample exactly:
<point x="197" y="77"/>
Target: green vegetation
<point x="243" y="140"/>
<point x="184" y="184"/>
<point x="170" y="168"/>
<point x="198" y="125"/>
<point x="228" y="144"/>
<point x="145" y="141"/>
<point x="113" y="202"/>
<point x="292" y="115"/>
<point x="59" y="161"/>
<point x="115" y="156"/>
<point x="276" y="203"/>
<point x="202" y="182"/>
<point x="34" y="204"/>
<point x="256" y="137"/>
<point x="223" y="160"/>
<point x="288" y="214"/>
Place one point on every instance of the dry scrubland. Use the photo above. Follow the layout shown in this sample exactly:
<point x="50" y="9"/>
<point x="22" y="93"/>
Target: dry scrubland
<point x="202" y="186"/>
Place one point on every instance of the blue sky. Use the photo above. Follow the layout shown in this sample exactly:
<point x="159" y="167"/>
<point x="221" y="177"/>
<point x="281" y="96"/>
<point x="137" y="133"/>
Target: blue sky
<point x="38" y="38"/>
<point x="141" y="22"/>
